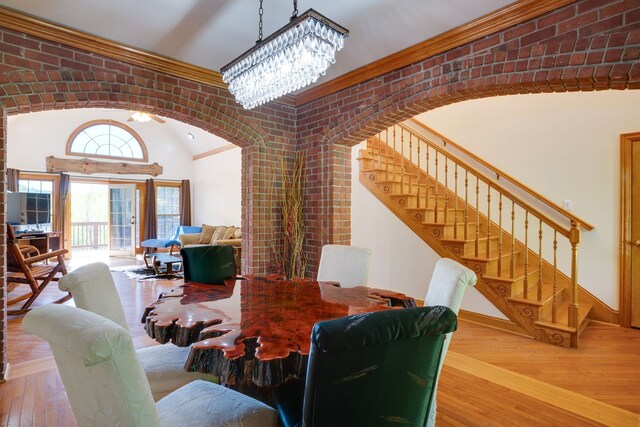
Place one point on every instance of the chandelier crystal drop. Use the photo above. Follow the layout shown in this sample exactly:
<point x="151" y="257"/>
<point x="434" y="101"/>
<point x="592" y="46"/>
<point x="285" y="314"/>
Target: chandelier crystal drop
<point x="289" y="59"/>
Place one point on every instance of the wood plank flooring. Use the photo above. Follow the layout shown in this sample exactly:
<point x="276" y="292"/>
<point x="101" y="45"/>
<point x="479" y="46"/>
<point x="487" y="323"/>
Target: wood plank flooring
<point x="490" y="378"/>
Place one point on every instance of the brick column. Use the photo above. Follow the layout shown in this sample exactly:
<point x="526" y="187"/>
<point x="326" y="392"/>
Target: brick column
<point x="328" y="199"/>
<point x="3" y="243"/>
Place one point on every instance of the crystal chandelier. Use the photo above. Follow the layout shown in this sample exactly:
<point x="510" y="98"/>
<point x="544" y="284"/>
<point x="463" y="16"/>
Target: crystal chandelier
<point x="289" y="59"/>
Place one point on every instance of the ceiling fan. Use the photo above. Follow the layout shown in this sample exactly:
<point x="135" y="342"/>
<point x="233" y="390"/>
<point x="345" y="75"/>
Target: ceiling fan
<point x="142" y="117"/>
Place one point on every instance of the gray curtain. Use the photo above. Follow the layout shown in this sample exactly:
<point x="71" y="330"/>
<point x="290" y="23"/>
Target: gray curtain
<point x="185" y="203"/>
<point x="61" y="198"/>
<point x="150" y="218"/>
<point x="13" y="175"/>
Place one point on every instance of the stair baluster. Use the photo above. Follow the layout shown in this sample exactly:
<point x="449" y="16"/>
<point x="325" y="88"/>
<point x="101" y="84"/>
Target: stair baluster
<point x="477" y="241"/>
<point x="500" y="236"/>
<point x="539" y="295"/>
<point x="512" y="267"/>
<point x="455" y="202"/>
<point x="466" y="205"/>
<point x="554" y="304"/>
<point x="437" y="184"/>
<point x="386" y="158"/>
<point x="393" y="154"/>
<point x="402" y="165"/>
<point x="420" y="173"/>
<point x="488" y="244"/>
<point x="426" y="149"/>
<point x="411" y="164"/>
<point x="525" y="283"/>
<point x="446" y="189"/>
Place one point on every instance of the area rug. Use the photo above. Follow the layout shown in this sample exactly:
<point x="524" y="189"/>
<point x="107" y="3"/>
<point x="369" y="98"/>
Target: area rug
<point x="140" y="272"/>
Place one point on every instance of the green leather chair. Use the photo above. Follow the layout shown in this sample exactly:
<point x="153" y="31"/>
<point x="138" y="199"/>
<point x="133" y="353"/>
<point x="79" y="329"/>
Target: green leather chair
<point x="210" y="264"/>
<point x="372" y="369"/>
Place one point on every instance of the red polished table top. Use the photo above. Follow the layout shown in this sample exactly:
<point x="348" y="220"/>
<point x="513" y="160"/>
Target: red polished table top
<point x="258" y="324"/>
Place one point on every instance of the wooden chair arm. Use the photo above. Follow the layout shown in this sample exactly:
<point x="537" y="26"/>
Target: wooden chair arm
<point x="45" y="256"/>
<point x="27" y="250"/>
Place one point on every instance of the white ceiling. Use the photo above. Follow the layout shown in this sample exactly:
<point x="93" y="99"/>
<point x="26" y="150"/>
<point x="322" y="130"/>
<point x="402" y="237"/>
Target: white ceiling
<point x="211" y="33"/>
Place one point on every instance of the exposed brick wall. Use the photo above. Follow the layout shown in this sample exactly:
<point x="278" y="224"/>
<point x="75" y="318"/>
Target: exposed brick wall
<point x="37" y="75"/>
<point x="588" y="45"/>
<point x="3" y="242"/>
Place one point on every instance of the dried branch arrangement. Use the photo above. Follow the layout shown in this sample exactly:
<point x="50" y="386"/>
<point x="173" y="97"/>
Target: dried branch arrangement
<point x="288" y="248"/>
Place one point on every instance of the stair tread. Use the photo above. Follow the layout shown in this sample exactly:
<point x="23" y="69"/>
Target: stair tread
<point x="482" y="257"/>
<point x="483" y="238"/>
<point x="518" y="274"/>
<point x="547" y="295"/>
<point x="563" y="317"/>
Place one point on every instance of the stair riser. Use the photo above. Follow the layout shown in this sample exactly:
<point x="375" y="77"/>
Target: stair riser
<point x="447" y="231"/>
<point x="513" y="287"/>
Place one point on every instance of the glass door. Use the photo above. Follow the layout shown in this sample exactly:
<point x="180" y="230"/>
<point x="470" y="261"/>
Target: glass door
<point x="122" y="219"/>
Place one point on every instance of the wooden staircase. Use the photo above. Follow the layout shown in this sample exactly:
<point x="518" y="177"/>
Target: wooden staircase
<point x="458" y="209"/>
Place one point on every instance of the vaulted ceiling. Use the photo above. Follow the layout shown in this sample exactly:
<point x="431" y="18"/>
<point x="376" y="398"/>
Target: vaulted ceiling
<point x="211" y="33"/>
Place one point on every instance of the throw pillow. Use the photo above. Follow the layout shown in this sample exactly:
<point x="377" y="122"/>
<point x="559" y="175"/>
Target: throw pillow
<point x="218" y="234"/>
<point x="229" y="234"/>
<point x="207" y="232"/>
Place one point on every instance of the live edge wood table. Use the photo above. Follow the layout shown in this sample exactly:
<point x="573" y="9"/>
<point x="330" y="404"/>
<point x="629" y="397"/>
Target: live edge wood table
<point x="257" y="328"/>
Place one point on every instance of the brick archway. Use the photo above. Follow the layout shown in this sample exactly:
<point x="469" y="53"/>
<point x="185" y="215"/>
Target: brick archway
<point x="28" y="91"/>
<point x="585" y="46"/>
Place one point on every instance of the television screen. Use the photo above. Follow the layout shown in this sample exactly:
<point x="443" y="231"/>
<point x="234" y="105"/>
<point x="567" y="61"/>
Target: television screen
<point x="29" y="209"/>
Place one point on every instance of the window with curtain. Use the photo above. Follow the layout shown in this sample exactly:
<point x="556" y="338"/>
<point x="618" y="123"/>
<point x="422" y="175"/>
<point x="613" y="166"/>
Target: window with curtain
<point x="106" y="138"/>
<point x="167" y="210"/>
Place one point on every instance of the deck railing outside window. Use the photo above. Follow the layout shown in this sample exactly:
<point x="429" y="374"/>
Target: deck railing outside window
<point x="89" y="235"/>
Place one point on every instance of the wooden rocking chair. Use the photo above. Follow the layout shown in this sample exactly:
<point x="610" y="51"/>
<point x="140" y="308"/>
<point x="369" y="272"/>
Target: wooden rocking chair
<point x="25" y="265"/>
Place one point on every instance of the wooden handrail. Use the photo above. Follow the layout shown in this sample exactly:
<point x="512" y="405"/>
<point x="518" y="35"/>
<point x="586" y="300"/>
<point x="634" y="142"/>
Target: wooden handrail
<point x="565" y="231"/>
<point x="500" y="174"/>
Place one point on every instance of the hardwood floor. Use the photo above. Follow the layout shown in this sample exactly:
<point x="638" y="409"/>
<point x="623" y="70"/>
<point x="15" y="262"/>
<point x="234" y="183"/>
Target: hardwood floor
<point x="490" y="378"/>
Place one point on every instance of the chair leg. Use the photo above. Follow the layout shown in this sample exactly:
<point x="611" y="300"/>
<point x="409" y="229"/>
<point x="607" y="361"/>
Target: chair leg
<point x="36" y="292"/>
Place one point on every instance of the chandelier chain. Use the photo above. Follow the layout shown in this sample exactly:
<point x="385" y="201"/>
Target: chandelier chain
<point x="295" y="9"/>
<point x="260" y="12"/>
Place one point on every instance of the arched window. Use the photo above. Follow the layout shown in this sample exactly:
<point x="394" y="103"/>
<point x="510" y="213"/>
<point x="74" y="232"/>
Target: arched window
<point x="106" y="138"/>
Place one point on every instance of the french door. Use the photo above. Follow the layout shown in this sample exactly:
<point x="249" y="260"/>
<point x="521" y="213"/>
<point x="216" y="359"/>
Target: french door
<point x="122" y="219"/>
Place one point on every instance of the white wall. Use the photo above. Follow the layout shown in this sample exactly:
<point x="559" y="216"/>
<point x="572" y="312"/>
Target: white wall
<point x="217" y="182"/>
<point x="34" y="136"/>
<point x="565" y="146"/>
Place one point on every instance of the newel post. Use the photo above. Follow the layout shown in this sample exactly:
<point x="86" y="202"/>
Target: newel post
<point x="574" y="238"/>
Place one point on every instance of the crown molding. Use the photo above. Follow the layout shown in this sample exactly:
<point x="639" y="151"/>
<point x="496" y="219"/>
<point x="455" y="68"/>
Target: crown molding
<point x="38" y="27"/>
<point x="512" y="14"/>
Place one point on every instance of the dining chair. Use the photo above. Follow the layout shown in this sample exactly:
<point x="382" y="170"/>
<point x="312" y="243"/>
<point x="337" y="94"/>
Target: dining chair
<point x="371" y="369"/>
<point x="93" y="289"/>
<point x="208" y="264"/>
<point x="449" y="282"/>
<point x="106" y="384"/>
<point x="346" y="264"/>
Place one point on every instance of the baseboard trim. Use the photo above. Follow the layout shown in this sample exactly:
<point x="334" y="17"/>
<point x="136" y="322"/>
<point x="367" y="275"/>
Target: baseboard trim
<point x="492" y="322"/>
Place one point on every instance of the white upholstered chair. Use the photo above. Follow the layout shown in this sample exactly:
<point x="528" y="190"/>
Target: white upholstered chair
<point x="448" y="284"/>
<point x="106" y="385"/>
<point x="93" y="289"/>
<point x="348" y="265"/>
